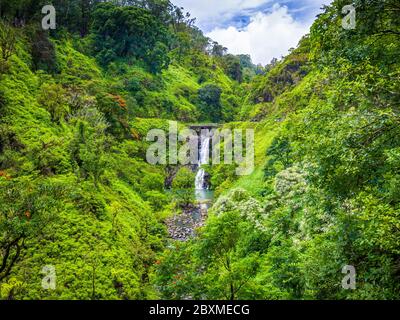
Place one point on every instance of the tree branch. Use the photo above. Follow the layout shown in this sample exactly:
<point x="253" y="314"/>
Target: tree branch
<point x="7" y="268"/>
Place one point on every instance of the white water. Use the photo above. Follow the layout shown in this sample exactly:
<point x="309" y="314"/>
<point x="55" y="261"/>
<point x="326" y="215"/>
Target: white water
<point x="203" y="159"/>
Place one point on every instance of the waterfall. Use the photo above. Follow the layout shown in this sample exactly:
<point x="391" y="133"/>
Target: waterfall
<point x="203" y="159"/>
<point x="183" y="226"/>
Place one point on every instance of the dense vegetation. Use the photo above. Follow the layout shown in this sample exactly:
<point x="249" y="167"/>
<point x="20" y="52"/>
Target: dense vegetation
<point x="76" y="192"/>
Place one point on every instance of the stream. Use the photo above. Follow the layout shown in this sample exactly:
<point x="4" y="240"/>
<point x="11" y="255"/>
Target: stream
<point x="183" y="226"/>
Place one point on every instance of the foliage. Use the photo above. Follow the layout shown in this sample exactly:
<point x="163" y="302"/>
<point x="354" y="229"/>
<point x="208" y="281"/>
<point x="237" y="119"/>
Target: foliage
<point x="129" y="32"/>
<point x="210" y="102"/>
<point x="77" y="193"/>
<point x="326" y="187"/>
<point x="7" y="45"/>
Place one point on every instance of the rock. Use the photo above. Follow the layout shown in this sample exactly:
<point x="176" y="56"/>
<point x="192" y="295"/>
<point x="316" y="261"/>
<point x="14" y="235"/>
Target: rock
<point x="182" y="227"/>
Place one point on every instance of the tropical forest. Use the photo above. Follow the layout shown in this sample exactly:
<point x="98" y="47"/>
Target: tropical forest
<point x="84" y="214"/>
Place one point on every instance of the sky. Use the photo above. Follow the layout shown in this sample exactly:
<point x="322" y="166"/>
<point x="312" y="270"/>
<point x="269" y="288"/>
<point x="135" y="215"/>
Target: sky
<point x="265" y="29"/>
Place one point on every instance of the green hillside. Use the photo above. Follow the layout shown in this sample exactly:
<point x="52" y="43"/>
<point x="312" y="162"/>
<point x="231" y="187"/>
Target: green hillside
<point x="77" y="193"/>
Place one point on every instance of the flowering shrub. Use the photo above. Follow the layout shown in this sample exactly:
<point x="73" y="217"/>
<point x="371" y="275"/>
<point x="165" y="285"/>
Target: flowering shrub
<point x="238" y="200"/>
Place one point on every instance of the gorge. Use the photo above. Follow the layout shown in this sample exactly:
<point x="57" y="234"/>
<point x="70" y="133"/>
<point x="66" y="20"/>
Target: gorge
<point x="182" y="226"/>
<point x="79" y="195"/>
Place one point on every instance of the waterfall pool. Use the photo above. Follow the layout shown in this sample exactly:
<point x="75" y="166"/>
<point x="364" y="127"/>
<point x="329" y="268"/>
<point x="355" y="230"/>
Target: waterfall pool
<point x="204" y="195"/>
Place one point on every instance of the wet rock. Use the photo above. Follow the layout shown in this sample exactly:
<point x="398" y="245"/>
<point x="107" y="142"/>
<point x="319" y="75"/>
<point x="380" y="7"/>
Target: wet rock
<point x="183" y="226"/>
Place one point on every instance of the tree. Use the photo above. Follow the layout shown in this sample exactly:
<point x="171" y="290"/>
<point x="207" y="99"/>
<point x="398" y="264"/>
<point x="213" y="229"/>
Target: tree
<point x="130" y="32"/>
<point x="53" y="99"/>
<point x="27" y="211"/>
<point x="20" y="12"/>
<point x="184" y="179"/>
<point x="88" y="146"/>
<point x="210" y="102"/>
<point x="7" y="44"/>
<point x="157" y="58"/>
<point x="221" y="248"/>
<point x="43" y="52"/>
<point x="233" y="67"/>
<point x="218" y="50"/>
<point x="183" y="186"/>
<point x="279" y="154"/>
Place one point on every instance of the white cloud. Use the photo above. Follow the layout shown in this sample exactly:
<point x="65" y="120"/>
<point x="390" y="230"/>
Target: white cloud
<point x="209" y="12"/>
<point x="268" y="35"/>
<point x="272" y="31"/>
<point x="212" y="13"/>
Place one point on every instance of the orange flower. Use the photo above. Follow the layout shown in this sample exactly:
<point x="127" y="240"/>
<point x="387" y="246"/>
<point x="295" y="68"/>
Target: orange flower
<point x="28" y="214"/>
<point x="121" y="101"/>
<point x="5" y="175"/>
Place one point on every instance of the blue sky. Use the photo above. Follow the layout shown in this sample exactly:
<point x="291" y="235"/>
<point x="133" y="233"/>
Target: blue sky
<point x="262" y="28"/>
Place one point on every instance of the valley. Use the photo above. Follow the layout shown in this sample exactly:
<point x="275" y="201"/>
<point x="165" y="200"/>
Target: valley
<point x="90" y="183"/>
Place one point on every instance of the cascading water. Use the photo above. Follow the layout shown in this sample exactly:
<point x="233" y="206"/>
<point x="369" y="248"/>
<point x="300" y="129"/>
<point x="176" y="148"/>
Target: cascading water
<point x="182" y="227"/>
<point x="203" y="159"/>
<point x="200" y="183"/>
